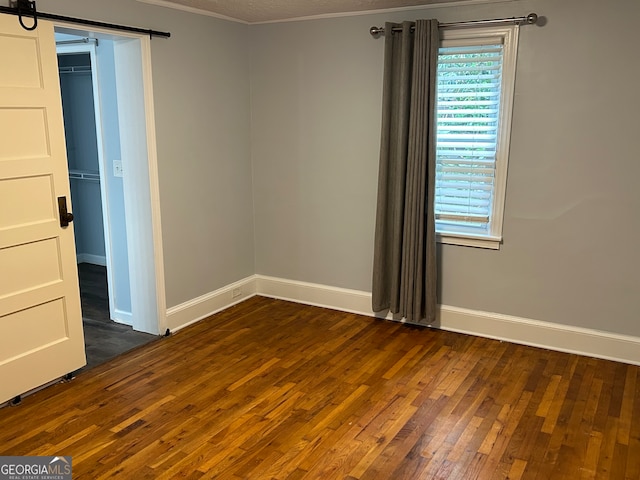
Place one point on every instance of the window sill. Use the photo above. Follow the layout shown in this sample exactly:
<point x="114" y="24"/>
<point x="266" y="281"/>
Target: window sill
<point x="492" y="243"/>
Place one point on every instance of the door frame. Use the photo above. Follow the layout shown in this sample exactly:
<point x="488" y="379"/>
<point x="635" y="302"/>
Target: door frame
<point x="90" y="48"/>
<point x="144" y="228"/>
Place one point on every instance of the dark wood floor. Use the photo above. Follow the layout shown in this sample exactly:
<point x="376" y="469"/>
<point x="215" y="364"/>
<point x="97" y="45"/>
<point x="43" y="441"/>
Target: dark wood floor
<point x="272" y="390"/>
<point x="104" y="339"/>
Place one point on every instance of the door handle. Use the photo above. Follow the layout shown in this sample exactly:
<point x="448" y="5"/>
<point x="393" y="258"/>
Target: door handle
<point x="65" y="216"/>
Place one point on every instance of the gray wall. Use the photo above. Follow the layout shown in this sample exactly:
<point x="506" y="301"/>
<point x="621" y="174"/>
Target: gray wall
<point x="201" y="99"/>
<point x="572" y="227"/>
<point x="571" y="223"/>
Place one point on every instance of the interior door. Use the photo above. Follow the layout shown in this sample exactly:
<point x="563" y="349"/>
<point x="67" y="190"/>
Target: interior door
<point x="41" y="335"/>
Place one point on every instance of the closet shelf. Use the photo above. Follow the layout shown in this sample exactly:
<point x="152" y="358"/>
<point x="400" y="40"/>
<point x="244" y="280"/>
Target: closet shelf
<point x="75" y="69"/>
<point x="84" y="175"/>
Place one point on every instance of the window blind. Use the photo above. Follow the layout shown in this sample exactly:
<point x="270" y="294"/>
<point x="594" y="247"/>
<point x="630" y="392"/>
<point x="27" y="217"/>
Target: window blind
<point x="468" y="114"/>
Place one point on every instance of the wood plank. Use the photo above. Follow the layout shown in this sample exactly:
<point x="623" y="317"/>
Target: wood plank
<point x="271" y="389"/>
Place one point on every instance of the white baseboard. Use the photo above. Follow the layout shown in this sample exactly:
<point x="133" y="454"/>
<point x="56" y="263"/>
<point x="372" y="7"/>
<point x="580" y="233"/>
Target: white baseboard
<point x="189" y="312"/>
<point x="93" y="259"/>
<point x="535" y="333"/>
<point x="563" y="338"/>
<point x="352" y="301"/>
<point x="123" y="317"/>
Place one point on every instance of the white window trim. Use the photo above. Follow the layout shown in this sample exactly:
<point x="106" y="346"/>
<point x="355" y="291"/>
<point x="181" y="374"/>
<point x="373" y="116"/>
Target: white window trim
<point x="509" y="35"/>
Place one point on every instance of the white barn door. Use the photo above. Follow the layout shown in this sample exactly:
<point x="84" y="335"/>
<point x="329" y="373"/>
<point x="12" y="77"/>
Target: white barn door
<point x="41" y="335"/>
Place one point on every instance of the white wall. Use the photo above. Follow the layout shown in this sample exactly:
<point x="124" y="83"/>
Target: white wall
<point x="572" y="228"/>
<point x="201" y="99"/>
<point x="111" y="145"/>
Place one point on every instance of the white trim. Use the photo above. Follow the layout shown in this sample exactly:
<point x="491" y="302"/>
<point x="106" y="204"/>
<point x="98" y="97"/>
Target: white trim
<point x="508" y="36"/>
<point x="154" y="181"/>
<point x="492" y="243"/>
<point x="208" y="13"/>
<point x="509" y="60"/>
<point x="144" y="322"/>
<point x="137" y="137"/>
<point x="346" y="300"/>
<point x="90" y="48"/>
<point x="380" y="11"/>
<point x="90" y="258"/>
<point x="104" y="178"/>
<point x="563" y="338"/>
<point x="194" y="310"/>
<point x="536" y="333"/>
<point x="197" y="11"/>
<point x="120" y="316"/>
<point x="524" y="331"/>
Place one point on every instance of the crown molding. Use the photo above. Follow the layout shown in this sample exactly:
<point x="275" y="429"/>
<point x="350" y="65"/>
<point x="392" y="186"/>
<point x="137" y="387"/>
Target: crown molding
<point x="197" y="11"/>
<point x="460" y="3"/>
<point x="208" y="13"/>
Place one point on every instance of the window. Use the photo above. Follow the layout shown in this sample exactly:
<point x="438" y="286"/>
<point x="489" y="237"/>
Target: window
<point x="476" y="73"/>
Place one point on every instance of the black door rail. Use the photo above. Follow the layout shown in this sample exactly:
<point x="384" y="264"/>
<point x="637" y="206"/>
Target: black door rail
<point x="27" y="8"/>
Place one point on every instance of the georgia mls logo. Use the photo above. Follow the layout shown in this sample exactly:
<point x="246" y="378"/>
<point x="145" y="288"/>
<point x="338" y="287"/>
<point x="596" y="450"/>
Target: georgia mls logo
<point x="35" y="468"/>
<point x="63" y="465"/>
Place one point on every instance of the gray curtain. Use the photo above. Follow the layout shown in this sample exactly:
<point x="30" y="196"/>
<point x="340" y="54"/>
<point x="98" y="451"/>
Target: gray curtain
<point x="404" y="269"/>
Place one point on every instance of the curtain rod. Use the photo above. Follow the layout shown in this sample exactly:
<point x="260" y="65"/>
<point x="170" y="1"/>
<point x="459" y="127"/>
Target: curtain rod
<point x="530" y="19"/>
<point x="30" y="12"/>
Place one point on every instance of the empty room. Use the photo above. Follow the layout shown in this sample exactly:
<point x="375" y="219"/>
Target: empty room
<point x="348" y="239"/>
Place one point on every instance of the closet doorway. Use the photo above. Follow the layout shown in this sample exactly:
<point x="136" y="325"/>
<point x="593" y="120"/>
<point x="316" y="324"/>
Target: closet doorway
<point x="114" y="321"/>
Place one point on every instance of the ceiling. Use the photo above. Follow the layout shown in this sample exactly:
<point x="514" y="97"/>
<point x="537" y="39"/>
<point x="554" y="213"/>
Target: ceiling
<point x="260" y="11"/>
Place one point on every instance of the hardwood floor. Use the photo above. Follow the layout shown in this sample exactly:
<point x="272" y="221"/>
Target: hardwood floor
<point x="270" y="389"/>
<point x="104" y="339"/>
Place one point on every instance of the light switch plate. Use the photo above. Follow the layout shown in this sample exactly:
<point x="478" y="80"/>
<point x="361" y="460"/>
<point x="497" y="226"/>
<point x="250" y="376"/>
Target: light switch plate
<point x="117" y="168"/>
